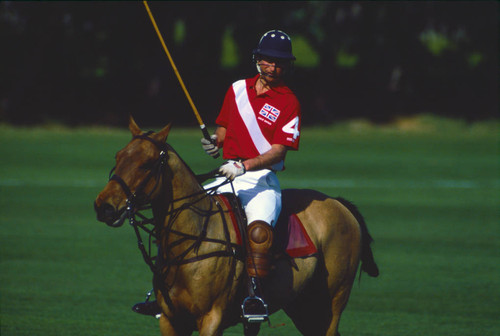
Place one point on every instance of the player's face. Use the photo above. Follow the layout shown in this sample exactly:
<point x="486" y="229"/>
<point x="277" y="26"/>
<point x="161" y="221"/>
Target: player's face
<point x="271" y="69"/>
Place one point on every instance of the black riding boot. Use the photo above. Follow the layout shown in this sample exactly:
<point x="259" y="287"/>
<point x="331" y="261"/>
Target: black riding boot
<point x="147" y="307"/>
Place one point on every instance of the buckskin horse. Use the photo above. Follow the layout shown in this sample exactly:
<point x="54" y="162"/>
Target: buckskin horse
<point x="198" y="277"/>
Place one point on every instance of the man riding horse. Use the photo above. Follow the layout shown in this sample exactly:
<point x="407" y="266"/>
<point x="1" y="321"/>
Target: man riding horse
<point x="258" y="123"/>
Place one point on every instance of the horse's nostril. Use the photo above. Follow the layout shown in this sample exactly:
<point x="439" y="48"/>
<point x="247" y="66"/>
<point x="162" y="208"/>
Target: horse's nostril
<point x="105" y="212"/>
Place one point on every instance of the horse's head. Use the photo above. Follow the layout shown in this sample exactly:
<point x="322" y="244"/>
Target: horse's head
<point x="137" y="176"/>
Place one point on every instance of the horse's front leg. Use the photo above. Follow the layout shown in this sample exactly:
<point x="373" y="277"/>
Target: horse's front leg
<point x="210" y="323"/>
<point x="168" y="329"/>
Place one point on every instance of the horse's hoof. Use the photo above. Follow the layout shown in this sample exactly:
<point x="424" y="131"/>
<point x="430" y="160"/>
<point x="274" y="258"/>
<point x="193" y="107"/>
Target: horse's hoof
<point x="150" y="308"/>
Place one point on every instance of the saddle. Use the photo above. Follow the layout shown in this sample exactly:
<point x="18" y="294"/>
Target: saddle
<point x="290" y="236"/>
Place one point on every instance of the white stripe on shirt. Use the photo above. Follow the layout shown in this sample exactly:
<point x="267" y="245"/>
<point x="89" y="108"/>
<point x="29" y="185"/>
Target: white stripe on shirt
<point x="247" y="114"/>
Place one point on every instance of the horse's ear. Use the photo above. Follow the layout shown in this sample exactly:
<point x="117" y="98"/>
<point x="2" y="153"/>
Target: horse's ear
<point x="132" y="126"/>
<point x="162" y="135"/>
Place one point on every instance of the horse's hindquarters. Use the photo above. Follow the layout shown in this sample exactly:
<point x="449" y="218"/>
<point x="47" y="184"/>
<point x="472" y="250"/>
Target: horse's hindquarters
<point x="323" y="289"/>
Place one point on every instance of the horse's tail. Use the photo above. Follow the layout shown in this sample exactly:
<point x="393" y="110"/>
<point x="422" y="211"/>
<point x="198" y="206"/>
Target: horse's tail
<point x="367" y="261"/>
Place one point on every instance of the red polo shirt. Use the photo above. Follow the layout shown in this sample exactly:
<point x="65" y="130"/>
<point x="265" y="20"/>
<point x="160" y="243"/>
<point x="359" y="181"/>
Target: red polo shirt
<point x="276" y="113"/>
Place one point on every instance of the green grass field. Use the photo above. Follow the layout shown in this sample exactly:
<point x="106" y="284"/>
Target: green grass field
<point x="430" y="196"/>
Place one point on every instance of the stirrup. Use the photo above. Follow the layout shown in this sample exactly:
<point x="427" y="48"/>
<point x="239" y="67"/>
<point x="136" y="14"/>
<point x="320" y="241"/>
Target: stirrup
<point x="254" y="310"/>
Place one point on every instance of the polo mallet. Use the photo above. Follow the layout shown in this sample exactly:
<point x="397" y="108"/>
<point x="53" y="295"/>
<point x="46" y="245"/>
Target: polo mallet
<point x="197" y="115"/>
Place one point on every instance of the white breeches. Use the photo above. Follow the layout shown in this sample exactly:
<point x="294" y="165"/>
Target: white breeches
<point x="259" y="192"/>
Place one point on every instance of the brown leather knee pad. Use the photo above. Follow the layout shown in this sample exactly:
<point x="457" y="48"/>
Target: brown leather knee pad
<point x="260" y="238"/>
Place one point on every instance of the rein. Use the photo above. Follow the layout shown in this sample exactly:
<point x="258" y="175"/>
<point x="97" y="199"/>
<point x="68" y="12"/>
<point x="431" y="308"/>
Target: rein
<point x="154" y="228"/>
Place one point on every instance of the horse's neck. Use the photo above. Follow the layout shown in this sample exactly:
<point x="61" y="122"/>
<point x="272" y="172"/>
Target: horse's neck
<point x="185" y="187"/>
<point x="183" y="211"/>
<point x="186" y="193"/>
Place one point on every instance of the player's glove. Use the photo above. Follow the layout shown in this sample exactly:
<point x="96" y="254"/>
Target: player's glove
<point x="210" y="146"/>
<point x="232" y="169"/>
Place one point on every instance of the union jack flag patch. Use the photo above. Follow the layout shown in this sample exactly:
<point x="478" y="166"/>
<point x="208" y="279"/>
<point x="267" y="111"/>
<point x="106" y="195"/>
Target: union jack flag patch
<point x="269" y="112"/>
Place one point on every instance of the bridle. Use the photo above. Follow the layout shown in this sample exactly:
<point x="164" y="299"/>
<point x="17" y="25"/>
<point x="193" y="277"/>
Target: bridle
<point x="157" y="170"/>
<point x="138" y="201"/>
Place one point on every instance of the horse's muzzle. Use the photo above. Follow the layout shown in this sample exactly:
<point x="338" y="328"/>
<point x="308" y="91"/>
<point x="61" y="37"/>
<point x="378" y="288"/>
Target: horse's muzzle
<point x="106" y="213"/>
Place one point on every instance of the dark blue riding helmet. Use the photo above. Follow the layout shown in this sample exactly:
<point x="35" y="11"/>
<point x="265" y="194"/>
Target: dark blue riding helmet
<point x="276" y="44"/>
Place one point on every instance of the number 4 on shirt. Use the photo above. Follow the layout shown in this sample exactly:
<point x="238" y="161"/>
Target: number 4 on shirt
<point x="292" y="128"/>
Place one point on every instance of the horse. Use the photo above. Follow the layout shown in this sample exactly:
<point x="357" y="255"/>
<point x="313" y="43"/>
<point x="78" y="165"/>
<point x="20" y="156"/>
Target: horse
<point x="199" y="278"/>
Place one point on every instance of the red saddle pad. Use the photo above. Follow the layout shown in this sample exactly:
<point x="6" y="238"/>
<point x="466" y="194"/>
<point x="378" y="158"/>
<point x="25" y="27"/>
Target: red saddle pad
<point x="291" y="234"/>
<point x="299" y="243"/>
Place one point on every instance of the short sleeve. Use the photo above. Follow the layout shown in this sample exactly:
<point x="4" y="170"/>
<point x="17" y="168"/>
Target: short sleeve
<point x="288" y="129"/>
<point x="225" y="112"/>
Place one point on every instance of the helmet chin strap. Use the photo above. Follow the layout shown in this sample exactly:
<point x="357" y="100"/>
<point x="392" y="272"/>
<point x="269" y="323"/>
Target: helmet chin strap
<point x="259" y="68"/>
<point x="262" y="73"/>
